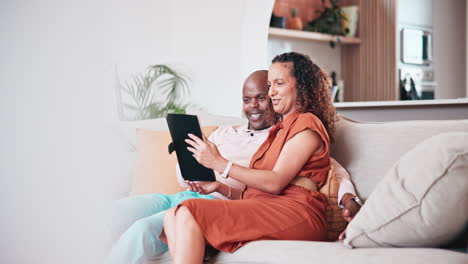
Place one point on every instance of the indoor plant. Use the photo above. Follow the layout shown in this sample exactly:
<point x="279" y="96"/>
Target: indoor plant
<point x="155" y="93"/>
<point x="329" y="22"/>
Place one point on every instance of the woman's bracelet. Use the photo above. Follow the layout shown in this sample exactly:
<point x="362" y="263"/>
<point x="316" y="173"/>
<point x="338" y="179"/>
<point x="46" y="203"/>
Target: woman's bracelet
<point x="227" y="169"/>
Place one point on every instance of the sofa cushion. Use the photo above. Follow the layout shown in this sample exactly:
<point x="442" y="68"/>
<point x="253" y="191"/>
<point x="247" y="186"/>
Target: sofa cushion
<point x="155" y="169"/>
<point x="368" y="149"/>
<point x="422" y="201"/>
<point x="307" y="252"/>
<point x="125" y="134"/>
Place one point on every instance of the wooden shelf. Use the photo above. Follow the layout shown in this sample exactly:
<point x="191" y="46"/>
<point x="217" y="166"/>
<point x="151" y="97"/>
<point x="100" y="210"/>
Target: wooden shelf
<point x="312" y="36"/>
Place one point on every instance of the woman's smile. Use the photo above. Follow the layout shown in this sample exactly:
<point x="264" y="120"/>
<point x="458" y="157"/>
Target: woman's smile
<point x="282" y="88"/>
<point x="275" y="101"/>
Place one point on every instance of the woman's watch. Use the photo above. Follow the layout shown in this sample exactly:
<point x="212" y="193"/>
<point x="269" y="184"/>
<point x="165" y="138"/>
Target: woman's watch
<point x="227" y="169"/>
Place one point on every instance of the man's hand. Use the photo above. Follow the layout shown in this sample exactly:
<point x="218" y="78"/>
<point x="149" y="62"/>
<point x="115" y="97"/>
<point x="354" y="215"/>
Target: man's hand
<point x="351" y="208"/>
<point x="203" y="187"/>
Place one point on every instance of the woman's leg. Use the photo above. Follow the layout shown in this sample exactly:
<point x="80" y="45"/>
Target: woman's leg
<point x="190" y="243"/>
<point x="169" y="230"/>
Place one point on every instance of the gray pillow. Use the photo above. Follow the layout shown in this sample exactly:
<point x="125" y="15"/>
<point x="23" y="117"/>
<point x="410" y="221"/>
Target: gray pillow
<point x="422" y="201"/>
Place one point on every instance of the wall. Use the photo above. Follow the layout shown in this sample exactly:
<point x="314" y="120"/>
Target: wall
<point x="416" y="12"/>
<point x="207" y="44"/>
<point x="216" y="46"/>
<point x="55" y="148"/>
<point x="329" y="59"/>
<point x="220" y="45"/>
<point x="450" y="48"/>
<point x="255" y="23"/>
<point x="137" y="34"/>
<point x="58" y="155"/>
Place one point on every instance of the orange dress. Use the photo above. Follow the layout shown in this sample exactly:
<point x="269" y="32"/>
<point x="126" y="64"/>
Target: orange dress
<point x="295" y="214"/>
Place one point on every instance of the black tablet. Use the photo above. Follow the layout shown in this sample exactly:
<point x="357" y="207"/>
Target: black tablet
<point x="180" y="125"/>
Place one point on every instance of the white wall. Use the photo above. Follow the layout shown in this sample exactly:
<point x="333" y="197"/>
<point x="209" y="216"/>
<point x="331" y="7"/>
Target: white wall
<point x="255" y="25"/>
<point x="54" y="146"/>
<point x="327" y="58"/>
<point x="450" y="48"/>
<point x="220" y="43"/>
<point x="138" y="33"/>
<point x="415" y="12"/>
<point x="58" y="155"/>
<point x="215" y="43"/>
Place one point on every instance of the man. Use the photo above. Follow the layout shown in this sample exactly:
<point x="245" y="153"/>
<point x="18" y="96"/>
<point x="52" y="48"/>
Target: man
<point x="140" y="218"/>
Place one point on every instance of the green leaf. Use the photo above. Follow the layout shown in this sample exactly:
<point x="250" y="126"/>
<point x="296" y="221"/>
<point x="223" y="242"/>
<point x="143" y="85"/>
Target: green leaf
<point x="142" y="88"/>
<point x="131" y="107"/>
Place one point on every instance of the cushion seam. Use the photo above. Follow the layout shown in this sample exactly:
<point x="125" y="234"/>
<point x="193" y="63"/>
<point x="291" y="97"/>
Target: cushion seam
<point x="418" y="204"/>
<point x="444" y="171"/>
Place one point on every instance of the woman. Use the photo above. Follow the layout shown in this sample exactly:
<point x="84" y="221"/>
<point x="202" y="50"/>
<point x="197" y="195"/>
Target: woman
<point x="281" y="200"/>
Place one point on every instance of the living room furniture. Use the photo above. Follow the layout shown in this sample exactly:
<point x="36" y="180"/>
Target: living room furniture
<point x="367" y="150"/>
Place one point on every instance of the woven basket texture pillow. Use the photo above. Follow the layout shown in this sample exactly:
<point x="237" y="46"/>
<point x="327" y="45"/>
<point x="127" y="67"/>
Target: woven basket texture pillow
<point x="335" y="221"/>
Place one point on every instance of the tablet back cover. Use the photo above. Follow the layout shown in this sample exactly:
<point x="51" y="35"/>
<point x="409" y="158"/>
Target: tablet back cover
<point x="180" y="125"/>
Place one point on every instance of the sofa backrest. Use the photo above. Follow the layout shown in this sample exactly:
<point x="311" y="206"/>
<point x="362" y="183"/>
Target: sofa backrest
<point x="368" y="149"/>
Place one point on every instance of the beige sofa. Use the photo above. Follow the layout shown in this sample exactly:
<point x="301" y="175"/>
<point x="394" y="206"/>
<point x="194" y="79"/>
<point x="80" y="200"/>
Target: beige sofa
<point x="367" y="150"/>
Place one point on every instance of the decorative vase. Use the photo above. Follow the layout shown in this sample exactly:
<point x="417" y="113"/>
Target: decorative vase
<point x="294" y="22"/>
<point x="350" y="21"/>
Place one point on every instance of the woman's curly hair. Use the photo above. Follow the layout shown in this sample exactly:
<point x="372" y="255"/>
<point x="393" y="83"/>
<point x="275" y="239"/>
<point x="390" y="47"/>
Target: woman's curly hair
<point x="313" y="89"/>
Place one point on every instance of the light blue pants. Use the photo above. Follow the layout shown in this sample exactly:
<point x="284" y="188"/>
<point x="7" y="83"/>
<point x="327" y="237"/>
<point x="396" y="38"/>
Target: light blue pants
<point x="137" y="222"/>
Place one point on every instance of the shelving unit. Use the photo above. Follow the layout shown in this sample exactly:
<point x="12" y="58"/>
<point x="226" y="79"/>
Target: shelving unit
<point x="312" y="36"/>
<point x="368" y="61"/>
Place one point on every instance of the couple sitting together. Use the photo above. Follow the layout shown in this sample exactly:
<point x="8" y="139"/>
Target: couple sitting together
<point x="275" y="165"/>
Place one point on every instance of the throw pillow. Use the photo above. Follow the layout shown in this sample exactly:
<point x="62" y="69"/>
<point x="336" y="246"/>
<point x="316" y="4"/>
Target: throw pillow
<point x="335" y="221"/>
<point x="155" y="169"/>
<point x="421" y="202"/>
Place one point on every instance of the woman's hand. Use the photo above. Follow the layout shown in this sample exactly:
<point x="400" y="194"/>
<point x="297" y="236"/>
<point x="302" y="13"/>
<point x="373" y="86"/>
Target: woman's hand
<point x="205" y="152"/>
<point x="203" y="187"/>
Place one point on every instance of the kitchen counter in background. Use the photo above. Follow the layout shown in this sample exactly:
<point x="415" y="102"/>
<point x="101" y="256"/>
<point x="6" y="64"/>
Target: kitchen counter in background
<point x="379" y="111"/>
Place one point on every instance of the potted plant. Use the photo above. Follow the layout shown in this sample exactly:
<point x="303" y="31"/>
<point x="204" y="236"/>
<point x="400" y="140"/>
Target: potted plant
<point x="152" y="94"/>
<point x="329" y="22"/>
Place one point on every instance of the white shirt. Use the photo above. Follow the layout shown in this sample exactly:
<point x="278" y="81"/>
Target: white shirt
<point x="346" y="186"/>
<point x="236" y="143"/>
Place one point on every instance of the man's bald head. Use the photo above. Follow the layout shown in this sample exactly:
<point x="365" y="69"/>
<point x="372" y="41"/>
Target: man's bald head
<point x="257" y="107"/>
<point x="257" y="78"/>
